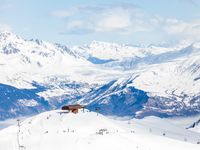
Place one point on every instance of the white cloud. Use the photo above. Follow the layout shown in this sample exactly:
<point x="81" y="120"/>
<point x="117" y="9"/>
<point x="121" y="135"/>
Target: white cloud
<point x="119" y="19"/>
<point x="174" y="26"/>
<point x="127" y="19"/>
<point x="115" y="19"/>
<point x="5" y="27"/>
<point x="122" y="20"/>
<point x="189" y="30"/>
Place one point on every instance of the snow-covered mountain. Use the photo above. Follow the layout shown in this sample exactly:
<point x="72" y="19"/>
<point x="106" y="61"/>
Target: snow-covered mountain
<point x="124" y="80"/>
<point x="114" y="51"/>
<point x="32" y="71"/>
<point x="169" y="79"/>
<point x="89" y="130"/>
<point x="28" y="65"/>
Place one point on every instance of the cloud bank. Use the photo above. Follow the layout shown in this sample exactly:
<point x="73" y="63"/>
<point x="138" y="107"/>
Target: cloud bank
<point x="125" y="19"/>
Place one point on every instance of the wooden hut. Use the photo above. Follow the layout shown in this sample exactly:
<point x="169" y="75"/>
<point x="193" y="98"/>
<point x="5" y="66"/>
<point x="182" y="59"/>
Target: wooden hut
<point x="73" y="108"/>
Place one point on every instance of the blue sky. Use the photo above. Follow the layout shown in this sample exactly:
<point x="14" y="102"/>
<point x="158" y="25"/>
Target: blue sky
<point x="78" y="22"/>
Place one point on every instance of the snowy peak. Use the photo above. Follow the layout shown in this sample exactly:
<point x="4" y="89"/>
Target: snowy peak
<point x="113" y="51"/>
<point x="104" y="50"/>
<point x="36" y="52"/>
<point x="8" y="42"/>
<point x="13" y="42"/>
<point x="9" y="36"/>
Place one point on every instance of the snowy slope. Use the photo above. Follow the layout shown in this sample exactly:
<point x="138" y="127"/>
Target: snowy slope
<point x="56" y="130"/>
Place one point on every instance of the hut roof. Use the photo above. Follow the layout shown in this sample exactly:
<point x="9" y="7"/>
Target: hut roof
<point x="71" y="107"/>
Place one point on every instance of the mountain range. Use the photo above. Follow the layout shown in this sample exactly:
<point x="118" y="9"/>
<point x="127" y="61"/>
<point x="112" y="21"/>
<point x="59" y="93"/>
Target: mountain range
<point x="120" y="79"/>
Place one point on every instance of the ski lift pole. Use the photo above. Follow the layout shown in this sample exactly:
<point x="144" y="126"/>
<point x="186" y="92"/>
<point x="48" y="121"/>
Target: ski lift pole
<point x="97" y="109"/>
<point x="18" y="142"/>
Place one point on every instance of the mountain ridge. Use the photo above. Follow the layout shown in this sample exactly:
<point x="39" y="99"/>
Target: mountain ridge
<point x="167" y="77"/>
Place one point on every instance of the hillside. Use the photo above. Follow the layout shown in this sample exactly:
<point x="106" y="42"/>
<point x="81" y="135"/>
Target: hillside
<point x="61" y="130"/>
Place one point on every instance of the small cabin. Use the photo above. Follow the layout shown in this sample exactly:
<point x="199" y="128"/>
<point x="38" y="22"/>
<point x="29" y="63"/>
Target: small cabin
<point x="73" y="108"/>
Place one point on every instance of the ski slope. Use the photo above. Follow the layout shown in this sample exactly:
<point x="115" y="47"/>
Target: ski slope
<point x="60" y="130"/>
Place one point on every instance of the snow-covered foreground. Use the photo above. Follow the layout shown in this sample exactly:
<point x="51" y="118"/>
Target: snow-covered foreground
<point x="87" y="130"/>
